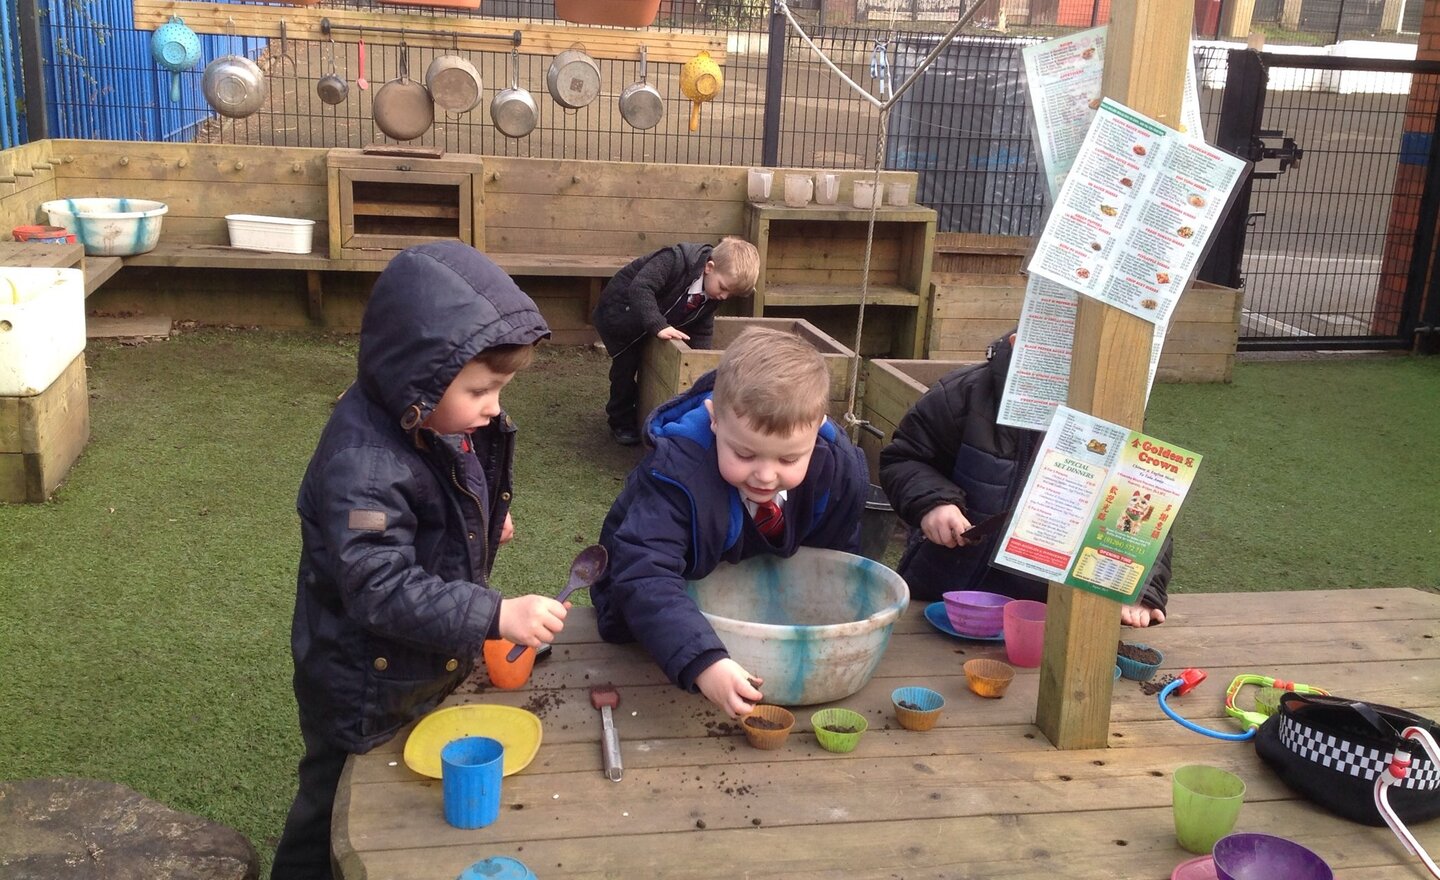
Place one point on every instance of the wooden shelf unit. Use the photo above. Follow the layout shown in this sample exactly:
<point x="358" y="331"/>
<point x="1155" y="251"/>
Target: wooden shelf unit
<point x="815" y="256"/>
<point x="384" y="204"/>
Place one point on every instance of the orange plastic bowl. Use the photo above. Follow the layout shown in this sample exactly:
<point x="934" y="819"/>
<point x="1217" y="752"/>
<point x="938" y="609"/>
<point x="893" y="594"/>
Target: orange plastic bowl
<point x="989" y="678"/>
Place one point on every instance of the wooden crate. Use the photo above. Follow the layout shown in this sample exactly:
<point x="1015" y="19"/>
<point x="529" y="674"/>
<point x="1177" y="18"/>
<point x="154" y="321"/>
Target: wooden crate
<point x="891" y="388"/>
<point x="388" y="203"/>
<point x="671" y="366"/>
<point x="42" y="435"/>
<point x="971" y="311"/>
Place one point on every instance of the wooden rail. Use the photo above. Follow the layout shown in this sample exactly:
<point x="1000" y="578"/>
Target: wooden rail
<point x="303" y="23"/>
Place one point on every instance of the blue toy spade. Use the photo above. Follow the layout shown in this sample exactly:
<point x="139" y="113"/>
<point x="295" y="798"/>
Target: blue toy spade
<point x="176" y="48"/>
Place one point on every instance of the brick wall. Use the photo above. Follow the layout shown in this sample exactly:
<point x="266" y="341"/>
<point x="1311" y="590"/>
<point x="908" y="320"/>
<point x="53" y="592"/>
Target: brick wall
<point x="1410" y="179"/>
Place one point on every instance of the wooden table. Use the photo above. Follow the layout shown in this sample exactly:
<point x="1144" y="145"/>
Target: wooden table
<point x="983" y="795"/>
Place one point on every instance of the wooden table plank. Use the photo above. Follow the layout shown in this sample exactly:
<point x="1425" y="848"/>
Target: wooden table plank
<point x="982" y="795"/>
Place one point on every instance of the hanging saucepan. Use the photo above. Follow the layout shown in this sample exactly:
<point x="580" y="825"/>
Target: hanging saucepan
<point x="454" y="83"/>
<point x="640" y="102"/>
<point x="402" y="106"/>
<point x="332" y="87"/>
<point x="513" y="110"/>
<point x="234" y="85"/>
<point x="573" y="78"/>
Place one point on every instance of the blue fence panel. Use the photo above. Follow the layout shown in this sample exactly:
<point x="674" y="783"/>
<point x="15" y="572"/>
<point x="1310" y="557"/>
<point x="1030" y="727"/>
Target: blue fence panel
<point x="104" y="85"/>
<point x="12" y="91"/>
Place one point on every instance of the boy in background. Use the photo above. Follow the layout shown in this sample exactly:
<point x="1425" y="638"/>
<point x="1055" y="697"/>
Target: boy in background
<point x="402" y="509"/>
<point x="672" y="293"/>
<point x="951" y="464"/>
<point x="743" y="463"/>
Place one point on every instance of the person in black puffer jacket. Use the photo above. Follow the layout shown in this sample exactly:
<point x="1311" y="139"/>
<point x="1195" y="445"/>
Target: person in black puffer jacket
<point x="949" y="465"/>
<point x="402" y="509"/>
<point x="672" y="293"/>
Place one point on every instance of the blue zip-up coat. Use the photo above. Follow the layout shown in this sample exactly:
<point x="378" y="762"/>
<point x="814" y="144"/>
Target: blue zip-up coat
<point x="950" y="449"/>
<point x="677" y="519"/>
<point x="391" y="604"/>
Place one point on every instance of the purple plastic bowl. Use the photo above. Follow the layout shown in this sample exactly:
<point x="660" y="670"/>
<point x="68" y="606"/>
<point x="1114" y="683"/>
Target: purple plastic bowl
<point x="1251" y="856"/>
<point x="975" y="612"/>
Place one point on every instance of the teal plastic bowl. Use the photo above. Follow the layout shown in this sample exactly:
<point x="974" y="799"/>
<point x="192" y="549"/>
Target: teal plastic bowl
<point x="1136" y="671"/>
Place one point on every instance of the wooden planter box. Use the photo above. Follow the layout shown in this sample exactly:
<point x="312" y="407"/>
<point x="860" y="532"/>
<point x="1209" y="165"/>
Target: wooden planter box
<point x="671" y="366"/>
<point x="891" y="388"/>
<point x="42" y="435"/>
<point x="971" y="311"/>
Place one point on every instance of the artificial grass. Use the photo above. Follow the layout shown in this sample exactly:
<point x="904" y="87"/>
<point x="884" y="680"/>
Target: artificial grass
<point x="145" y="632"/>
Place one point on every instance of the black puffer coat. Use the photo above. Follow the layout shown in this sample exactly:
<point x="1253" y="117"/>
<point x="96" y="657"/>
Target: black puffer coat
<point x="648" y="295"/>
<point x="949" y="449"/>
<point x="391" y="604"/>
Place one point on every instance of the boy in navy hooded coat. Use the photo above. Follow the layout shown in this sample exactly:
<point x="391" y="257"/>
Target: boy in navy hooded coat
<point x="402" y="509"/>
<point x="743" y="463"/>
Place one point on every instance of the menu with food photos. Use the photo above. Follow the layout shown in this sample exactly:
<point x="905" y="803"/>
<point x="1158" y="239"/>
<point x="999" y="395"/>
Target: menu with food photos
<point x="1038" y="380"/>
<point x="1097" y="506"/>
<point x="1063" y="79"/>
<point x="1136" y="212"/>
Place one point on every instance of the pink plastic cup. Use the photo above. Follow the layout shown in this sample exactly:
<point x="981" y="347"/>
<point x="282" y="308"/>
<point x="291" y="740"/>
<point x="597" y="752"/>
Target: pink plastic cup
<point x="1025" y="632"/>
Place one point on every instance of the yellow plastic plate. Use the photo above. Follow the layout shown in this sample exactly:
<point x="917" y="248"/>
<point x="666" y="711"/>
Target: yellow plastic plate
<point x="515" y="729"/>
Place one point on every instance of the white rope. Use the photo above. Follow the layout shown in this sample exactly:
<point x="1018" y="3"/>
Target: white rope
<point x="852" y="420"/>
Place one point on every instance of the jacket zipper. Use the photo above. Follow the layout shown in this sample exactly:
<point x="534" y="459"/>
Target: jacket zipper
<point x="484" y="521"/>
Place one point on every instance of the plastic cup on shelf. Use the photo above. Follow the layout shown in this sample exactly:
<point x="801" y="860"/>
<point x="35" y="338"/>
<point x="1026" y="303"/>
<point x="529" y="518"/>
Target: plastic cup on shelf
<point x="758" y="186"/>
<point x="898" y="194"/>
<point x="827" y="188"/>
<point x="798" y="190"/>
<point x="867" y="193"/>
<point x="1206" y="803"/>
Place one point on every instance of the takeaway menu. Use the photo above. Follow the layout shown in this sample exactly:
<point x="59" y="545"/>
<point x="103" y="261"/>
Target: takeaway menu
<point x="1063" y="78"/>
<point x="1097" y="506"/>
<point x="1039" y="377"/>
<point x="1135" y="214"/>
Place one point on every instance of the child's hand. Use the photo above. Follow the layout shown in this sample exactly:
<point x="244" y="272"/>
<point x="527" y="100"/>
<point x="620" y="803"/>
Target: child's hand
<point x="944" y="525"/>
<point x="531" y="620"/>
<point x="1141" y="615"/>
<point x="728" y="685"/>
<point x="507" y="531"/>
<point x="671" y="333"/>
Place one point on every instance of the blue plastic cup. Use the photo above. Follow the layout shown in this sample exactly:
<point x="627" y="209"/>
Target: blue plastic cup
<point x="470" y="773"/>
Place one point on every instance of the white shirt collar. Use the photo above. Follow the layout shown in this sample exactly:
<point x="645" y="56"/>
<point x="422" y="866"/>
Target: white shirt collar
<point x="779" y="502"/>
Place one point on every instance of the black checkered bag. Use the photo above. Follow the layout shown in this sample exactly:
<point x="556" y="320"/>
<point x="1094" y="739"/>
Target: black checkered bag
<point x="1332" y="749"/>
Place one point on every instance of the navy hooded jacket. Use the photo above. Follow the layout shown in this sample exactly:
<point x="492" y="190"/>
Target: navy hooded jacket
<point x="391" y="603"/>
<point x="677" y="519"/>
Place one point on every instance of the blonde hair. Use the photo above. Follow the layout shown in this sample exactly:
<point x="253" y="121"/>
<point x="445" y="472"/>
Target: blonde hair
<point x="774" y="380"/>
<point x="738" y="262"/>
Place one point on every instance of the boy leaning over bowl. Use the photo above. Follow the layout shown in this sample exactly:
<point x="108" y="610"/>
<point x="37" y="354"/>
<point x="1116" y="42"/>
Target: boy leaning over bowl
<point x="403" y="506"/>
<point x="743" y="463"/>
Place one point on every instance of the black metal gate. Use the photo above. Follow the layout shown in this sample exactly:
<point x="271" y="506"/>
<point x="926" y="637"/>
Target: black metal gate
<point x="1332" y="238"/>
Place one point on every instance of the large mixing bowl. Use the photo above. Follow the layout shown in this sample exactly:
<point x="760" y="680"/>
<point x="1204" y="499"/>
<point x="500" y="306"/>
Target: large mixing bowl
<point x="110" y="227"/>
<point x="813" y="626"/>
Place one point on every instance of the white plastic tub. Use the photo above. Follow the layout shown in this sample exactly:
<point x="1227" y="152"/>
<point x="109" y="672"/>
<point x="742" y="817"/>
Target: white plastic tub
<point x="110" y="227"/>
<point x="42" y="327"/>
<point x="282" y="235"/>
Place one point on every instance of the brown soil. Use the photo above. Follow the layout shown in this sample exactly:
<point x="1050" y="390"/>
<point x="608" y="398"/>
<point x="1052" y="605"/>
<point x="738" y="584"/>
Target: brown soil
<point x="763" y="723"/>
<point x="1151" y="688"/>
<point x="836" y="728"/>
<point x="906" y="704"/>
<point x="1139" y="655"/>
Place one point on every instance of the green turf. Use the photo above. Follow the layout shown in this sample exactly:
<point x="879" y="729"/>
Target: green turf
<point x="147" y="608"/>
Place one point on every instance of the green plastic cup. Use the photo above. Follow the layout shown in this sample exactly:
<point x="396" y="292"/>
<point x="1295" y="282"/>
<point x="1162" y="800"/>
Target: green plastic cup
<point x="847" y="726"/>
<point x="1207" y="803"/>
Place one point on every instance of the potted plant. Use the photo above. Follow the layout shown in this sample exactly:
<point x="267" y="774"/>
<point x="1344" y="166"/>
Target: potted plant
<point x="623" y="13"/>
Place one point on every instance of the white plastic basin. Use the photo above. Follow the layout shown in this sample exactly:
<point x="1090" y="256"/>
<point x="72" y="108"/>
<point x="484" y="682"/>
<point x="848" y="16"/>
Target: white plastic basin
<point x="42" y="327"/>
<point x="813" y="626"/>
<point x="110" y="227"/>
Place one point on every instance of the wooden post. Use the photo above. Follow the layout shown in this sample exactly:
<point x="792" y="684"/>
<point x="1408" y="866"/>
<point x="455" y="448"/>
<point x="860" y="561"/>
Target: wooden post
<point x="1145" y="59"/>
